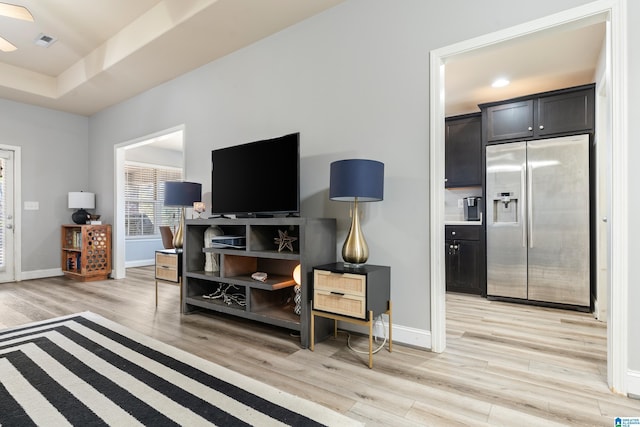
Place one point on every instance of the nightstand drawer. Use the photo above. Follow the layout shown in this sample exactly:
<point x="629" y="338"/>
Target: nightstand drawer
<point x="166" y="273"/>
<point x="168" y="260"/>
<point x="168" y="266"/>
<point x="343" y="283"/>
<point x="347" y="305"/>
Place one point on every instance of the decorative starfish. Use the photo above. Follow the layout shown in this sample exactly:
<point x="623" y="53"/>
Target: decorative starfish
<point x="284" y="241"/>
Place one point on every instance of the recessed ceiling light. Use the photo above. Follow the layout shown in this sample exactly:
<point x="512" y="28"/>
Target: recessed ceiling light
<point x="6" y="46"/>
<point x="44" y="40"/>
<point x="16" y="12"/>
<point x="501" y="82"/>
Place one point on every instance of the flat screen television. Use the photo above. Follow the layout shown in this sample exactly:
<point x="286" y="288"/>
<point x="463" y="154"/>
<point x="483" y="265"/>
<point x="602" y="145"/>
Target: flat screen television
<point x="260" y="178"/>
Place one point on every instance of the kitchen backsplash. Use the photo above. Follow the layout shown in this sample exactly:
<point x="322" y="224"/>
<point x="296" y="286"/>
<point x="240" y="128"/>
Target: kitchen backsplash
<point x="452" y="207"/>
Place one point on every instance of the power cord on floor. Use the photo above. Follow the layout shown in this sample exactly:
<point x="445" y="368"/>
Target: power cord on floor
<point x="384" y="329"/>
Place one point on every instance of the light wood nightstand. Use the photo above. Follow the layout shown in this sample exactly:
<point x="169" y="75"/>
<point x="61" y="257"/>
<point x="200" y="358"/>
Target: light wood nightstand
<point x="354" y="295"/>
<point x="169" y="269"/>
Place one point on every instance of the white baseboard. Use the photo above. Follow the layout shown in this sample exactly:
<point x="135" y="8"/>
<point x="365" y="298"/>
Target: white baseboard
<point x="401" y="334"/>
<point x="40" y="274"/>
<point x="411" y="336"/>
<point x="139" y="263"/>
<point x="633" y="383"/>
<point x="54" y="272"/>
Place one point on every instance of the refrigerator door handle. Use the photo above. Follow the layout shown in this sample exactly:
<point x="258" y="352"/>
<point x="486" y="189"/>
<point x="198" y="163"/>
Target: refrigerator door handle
<point x="523" y="203"/>
<point x="529" y="203"/>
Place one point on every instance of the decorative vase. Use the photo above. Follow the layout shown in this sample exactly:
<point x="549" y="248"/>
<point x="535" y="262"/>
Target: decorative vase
<point x="355" y="249"/>
<point x="177" y="237"/>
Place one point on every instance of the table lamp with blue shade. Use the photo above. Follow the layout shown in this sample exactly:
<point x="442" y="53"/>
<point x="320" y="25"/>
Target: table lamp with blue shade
<point x="181" y="193"/>
<point x="356" y="180"/>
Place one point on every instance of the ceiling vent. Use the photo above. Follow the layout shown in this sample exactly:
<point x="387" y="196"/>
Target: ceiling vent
<point x="44" y="40"/>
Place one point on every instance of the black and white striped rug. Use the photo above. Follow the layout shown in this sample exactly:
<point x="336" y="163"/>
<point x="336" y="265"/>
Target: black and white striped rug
<point x="86" y="370"/>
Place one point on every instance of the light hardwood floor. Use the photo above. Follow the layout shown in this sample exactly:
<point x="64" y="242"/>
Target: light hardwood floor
<point x="505" y="364"/>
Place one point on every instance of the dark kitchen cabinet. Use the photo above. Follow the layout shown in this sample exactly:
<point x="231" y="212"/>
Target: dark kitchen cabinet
<point x="465" y="259"/>
<point x="463" y="151"/>
<point x="512" y="120"/>
<point x="567" y="112"/>
<point x="564" y="112"/>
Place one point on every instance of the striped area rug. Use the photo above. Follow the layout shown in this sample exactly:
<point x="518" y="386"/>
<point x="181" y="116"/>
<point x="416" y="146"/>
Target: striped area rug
<point x="86" y="370"/>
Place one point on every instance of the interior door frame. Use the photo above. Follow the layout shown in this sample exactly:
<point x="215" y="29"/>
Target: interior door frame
<point x="118" y="241"/>
<point x="17" y="212"/>
<point x="614" y="13"/>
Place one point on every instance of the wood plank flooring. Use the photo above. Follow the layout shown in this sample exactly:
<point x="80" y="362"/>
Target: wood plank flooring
<point x="505" y="364"/>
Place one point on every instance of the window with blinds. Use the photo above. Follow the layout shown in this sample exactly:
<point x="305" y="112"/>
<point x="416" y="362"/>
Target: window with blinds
<point x="144" y="199"/>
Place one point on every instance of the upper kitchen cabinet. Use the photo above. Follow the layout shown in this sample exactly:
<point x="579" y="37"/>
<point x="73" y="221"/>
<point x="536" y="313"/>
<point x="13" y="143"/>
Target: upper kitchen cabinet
<point x="566" y="112"/>
<point x="512" y="120"/>
<point x="463" y="151"/>
<point x="562" y="112"/>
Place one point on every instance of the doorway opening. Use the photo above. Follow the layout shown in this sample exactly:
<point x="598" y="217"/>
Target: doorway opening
<point x="602" y="11"/>
<point x="10" y="219"/>
<point x="164" y="149"/>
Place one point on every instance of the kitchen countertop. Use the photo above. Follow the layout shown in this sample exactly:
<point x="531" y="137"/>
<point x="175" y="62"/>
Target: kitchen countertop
<point x="479" y="222"/>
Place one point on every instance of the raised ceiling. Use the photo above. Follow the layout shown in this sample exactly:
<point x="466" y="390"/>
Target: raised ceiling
<point x="107" y="51"/>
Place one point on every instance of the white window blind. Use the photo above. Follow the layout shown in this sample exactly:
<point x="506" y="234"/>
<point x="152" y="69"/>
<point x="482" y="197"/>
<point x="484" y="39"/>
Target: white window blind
<point x="144" y="199"/>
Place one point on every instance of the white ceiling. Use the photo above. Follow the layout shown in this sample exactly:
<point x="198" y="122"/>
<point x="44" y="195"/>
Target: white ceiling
<point x="110" y="50"/>
<point x="554" y="59"/>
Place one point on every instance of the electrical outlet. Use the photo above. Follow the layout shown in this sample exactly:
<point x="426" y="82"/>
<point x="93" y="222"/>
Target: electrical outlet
<point x="460" y="203"/>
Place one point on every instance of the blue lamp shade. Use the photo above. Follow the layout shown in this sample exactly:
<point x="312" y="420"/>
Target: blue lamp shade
<point x="182" y="193"/>
<point x="359" y="178"/>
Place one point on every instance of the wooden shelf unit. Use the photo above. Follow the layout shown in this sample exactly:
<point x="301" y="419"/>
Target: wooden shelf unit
<point x="270" y="301"/>
<point x="86" y="252"/>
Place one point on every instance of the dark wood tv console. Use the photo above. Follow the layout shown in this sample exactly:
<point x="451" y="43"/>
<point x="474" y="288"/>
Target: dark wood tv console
<point x="232" y="290"/>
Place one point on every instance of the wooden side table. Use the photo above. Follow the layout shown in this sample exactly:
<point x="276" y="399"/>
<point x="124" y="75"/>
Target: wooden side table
<point x="86" y="251"/>
<point x="169" y="269"/>
<point x="353" y="295"/>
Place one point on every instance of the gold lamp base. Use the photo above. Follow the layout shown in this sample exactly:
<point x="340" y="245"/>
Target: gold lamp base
<point x="177" y="237"/>
<point x="355" y="250"/>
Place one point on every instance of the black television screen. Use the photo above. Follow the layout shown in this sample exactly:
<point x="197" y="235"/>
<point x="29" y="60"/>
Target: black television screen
<point x="257" y="178"/>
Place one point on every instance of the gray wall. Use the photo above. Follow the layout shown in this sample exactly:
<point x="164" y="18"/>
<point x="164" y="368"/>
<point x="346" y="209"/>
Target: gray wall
<point x="54" y="161"/>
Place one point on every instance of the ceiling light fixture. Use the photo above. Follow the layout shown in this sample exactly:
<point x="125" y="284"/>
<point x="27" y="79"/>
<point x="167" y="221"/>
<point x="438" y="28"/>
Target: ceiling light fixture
<point x="6" y="46"/>
<point x="16" y="12"/>
<point x="501" y="82"/>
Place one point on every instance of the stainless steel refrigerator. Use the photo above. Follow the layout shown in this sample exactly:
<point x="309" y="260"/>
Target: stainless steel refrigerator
<point x="537" y="203"/>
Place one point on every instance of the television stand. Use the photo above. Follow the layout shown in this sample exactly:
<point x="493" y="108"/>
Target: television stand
<point x="254" y="215"/>
<point x="271" y="301"/>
